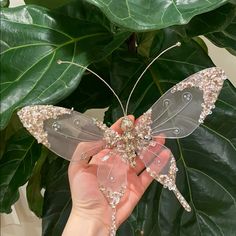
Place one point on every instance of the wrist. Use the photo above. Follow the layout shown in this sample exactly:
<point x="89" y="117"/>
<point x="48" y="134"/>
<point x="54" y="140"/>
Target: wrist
<point x="83" y="224"/>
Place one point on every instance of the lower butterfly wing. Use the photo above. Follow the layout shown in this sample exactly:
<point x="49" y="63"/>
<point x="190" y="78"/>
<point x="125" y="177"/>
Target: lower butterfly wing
<point x="112" y="177"/>
<point x="160" y="164"/>
<point x="185" y="106"/>
<point x="63" y="131"/>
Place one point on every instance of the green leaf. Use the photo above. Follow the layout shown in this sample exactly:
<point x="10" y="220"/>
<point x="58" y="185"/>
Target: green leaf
<point x="206" y="159"/>
<point x="219" y="26"/>
<point x="152" y="15"/>
<point x="4" y="3"/>
<point x="49" y="4"/>
<point x="91" y="93"/>
<point x="57" y="199"/>
<point x="16" y="167"/>
<point x="34" y="186"/>
<point x="33" y="39"/>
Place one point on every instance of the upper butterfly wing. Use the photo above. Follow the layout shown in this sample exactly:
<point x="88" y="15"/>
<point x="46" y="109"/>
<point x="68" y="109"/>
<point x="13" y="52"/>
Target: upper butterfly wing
<point x="62" y="130"/>
<point x="185" y="106"/>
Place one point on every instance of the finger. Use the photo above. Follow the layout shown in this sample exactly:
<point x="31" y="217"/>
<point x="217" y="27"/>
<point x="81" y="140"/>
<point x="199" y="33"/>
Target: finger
<point x="117" y="124"/>
<point x="100" y="157"/>
<point x="158" y="164"/>
<point x="82" y="154"/>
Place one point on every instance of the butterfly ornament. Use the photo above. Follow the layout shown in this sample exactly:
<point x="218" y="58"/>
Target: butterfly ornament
<point x="176" y="114"/>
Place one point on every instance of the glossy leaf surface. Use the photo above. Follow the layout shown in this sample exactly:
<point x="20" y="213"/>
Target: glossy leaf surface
<point x="219" y="26"/>
<point x="16" y="166"/>
<point x="57" y="199"/>
<point x="152" y="15"/>
<point x="36" y="78"/>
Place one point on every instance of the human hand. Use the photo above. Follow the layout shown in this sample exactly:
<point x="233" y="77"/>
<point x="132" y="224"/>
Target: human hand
<point x="91" y="212"/>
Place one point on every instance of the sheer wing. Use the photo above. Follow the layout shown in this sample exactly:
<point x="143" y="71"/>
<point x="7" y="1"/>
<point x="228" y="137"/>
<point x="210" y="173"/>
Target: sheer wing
<point x="160" y="164"/>
<point x="61" y="130"/>
<point x="112" y="177"/>
<point x="182" y="108"/>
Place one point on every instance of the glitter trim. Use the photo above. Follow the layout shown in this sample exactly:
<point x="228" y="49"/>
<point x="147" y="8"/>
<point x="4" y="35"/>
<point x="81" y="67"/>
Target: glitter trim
<point x="33" y="117"/>
<point x="210" y="81"/>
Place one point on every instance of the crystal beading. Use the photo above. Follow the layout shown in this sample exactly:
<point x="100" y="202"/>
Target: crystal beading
<point x="210" y="81"/>
<point x="168" y="181"/>
<point x="132" y="140"/>
<point x="113" y="199"/>
<point x="33" y="117"/>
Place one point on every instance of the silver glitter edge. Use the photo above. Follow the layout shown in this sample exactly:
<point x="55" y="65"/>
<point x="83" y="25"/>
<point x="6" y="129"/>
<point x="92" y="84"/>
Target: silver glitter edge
<point x="210" y="81"/>
<point x="33" y="117"/>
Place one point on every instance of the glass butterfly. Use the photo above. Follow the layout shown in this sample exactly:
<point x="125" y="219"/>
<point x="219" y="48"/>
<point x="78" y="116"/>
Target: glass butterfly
<point x="176" y="114"/>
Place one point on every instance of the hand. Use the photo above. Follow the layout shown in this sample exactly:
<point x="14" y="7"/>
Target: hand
<point x="90" y="209"/>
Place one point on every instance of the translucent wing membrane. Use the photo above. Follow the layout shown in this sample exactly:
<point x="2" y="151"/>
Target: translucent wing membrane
<point x="112" y="177"/>
<point x="160" y="164"/>
<point x="184" y="107"/>
<point x="61" y="130"/>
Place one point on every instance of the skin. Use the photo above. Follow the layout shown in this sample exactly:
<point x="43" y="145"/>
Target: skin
<point x="91" y="212"/>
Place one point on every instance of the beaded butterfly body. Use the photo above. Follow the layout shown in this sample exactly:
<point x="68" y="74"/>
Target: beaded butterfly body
<point x="175" y="115"/>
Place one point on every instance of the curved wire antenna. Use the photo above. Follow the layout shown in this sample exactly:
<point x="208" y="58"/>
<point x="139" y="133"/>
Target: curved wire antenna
<point x="128" y="100"/>
<point x="99" y="77"/>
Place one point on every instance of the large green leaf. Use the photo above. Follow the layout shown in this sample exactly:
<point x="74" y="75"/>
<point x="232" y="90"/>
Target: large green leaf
<point x="151" y="15"/>
<point x="16" y="167"/>
<point x="33" y="39"/>
<point x="206" y="159"/>
<point x="219" y="26"/>
<point x="4" y="3"/>
<point x="34" y="186"/>
<point x="57" y="199"/>
<point x="49" y="4"/>
<point x="91" y="93"/>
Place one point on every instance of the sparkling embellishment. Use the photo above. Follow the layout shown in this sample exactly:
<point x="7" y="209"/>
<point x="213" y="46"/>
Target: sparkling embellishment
<point x="33" y="117"/>
<point x="166" y="102"/>
<point x="77" y="122"/>
<point x="113" y="199"/>
<point x="112" y="179"/>
<point x="210" y="81"/>
<point x="187" y="96"/>
<point x="105" y="158"/>
<point x="168" y="181"/>
<point x="176" y="131"/>
<point x="56" y="126"/>
<point x="126" y="124"/>
<point x="131" y="140"/>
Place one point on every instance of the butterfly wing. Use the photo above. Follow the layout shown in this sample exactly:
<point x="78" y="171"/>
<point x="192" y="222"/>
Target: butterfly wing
<point x="185" y="106"/>
<point x="112" y="177"/>
<point x="62" y="130"/>
<point x="160" y="164"/>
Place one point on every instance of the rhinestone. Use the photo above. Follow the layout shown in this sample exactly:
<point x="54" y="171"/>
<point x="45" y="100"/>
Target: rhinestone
<point x="105" y="158"/>
<point x="126" y="124"/>
<point x="187" y="96"/>
<point x="112" y="179"/>
<point x="166" y="102"/>
<point x="77" y="122"/>
<point x="56" y="126"/>
<point x="176" y="131"/>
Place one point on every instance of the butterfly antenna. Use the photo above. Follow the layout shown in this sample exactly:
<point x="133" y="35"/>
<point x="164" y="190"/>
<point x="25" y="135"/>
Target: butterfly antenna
<point x="128" y="100"/>
<point x="99" y="77"/>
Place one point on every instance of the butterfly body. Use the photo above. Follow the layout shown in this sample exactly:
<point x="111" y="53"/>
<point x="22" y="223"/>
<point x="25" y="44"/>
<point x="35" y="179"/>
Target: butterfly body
<point x="132" y="140"/>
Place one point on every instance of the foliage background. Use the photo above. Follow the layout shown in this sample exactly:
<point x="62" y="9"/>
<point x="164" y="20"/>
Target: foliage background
<point x="33" y="38"/>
